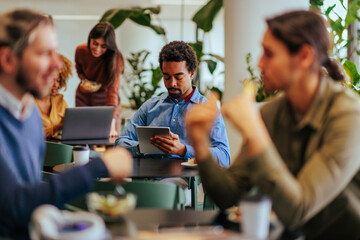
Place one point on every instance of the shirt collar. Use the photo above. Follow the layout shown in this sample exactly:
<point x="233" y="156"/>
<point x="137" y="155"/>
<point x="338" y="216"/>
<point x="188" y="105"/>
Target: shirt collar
<point x="19" y="109"/>
<point x="314" y="116"/>
<point x="188" y="98"/>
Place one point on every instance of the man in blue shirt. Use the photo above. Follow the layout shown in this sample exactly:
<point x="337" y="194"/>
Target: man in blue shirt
<point x="178" y="63"/>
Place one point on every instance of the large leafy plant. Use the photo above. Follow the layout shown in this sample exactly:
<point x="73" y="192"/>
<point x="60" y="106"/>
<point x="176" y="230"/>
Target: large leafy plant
<point x="141" y="83"/>
<point x="338" y="27"/>
<point x="141" y="16"/>
<point x="345" y="45"/>
<point x="204" y="19"/>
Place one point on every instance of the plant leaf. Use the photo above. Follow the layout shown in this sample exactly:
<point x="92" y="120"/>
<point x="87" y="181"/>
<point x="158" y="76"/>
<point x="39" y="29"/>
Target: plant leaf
<point x="141" y="18"/>
<point x="116" y="16"/>
<point x="211" y="65"/>
<point x="154" y="10"/>
<point x="158" y="29"/>
<point x="198" y="48"/>
<point x="352" y="13"/>
<point x="351" y="70"/>
<point x="204" y="18"/>
<point x="316" y="3"/>
<point x="156" y="77"/>
<point x="107" y="14"/>
<point x="217" y="57"/>
<point x="329" y="9"/>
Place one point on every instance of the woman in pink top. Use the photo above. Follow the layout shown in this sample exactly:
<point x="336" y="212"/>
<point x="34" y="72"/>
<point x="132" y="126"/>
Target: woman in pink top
<point x="99" y="65"/>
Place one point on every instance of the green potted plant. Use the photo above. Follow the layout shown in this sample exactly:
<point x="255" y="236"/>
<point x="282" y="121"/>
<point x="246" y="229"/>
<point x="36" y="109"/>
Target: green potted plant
<point x="261" y="94"/>
<point x="204" y="19"/>
<point x="141" y="83"/>
<point x="141" y="16"/>
<point x="338" y="27"/>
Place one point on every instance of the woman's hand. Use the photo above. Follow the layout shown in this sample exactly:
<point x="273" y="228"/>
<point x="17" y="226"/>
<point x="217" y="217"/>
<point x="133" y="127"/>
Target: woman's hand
<point x="113" y="132"/>
<point x="86" y="86"/>
<point x="59" y="126"/>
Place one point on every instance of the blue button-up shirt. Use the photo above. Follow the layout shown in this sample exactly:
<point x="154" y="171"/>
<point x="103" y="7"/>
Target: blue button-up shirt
<point x="164" y="111"/>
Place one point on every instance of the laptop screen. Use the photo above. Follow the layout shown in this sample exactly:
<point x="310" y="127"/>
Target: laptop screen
<point x="87" y="123"/>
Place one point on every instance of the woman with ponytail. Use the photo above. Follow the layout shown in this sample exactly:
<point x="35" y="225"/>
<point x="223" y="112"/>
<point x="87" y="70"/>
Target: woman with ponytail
<point x="301" y="149"/>
<point x="99" y="64"/>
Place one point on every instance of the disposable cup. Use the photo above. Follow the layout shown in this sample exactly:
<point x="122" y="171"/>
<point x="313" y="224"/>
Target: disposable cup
<point x="81" y="155"/>
<point x="256" y="216"/>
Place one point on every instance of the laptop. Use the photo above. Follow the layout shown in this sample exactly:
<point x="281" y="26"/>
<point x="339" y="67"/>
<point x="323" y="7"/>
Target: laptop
<point x="144" y="133"/>
<point x="87" y="125"/>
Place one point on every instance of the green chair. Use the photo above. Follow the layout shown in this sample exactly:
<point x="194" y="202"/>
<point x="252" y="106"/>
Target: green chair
<point x="157" y="195"/>
<point x="149" y="195"/>
<point x="55" y="154"/>
<point x="58" y="153"/>
<point x="94" y="154"/>
<point x="208" y="204"/>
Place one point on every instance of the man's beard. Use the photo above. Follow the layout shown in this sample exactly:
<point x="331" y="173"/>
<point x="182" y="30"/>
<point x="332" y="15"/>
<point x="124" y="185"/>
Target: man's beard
<point x="23" y="81"/>
<point x="175" y="95"/>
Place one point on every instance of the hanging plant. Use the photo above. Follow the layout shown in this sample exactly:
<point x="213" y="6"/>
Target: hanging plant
<point x="141" y="16"/>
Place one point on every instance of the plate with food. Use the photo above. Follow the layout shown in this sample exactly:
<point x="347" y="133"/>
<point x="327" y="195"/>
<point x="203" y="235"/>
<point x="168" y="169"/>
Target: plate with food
<point x="191" y="163"/>
<point x="109" y="206"/>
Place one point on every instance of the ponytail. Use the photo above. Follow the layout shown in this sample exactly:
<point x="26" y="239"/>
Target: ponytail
<point x="333" y="69"/>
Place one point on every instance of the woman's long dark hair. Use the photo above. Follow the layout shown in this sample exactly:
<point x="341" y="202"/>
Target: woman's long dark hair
<point x="112" y="55"/>
<point x="297" y="28"/>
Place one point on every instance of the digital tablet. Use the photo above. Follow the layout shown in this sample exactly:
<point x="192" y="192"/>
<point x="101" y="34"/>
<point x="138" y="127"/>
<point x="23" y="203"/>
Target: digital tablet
<point x="145" y="133"/>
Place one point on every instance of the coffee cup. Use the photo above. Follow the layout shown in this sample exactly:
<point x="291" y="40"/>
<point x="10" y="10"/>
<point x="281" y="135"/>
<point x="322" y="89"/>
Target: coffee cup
<point x="256" y="216"/>
<point x="81" y="155"/>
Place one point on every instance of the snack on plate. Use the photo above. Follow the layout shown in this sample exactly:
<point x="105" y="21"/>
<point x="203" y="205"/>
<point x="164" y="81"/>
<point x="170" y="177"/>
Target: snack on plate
<point x="90" y="86"/>
<point x="109" y="204"/>
<point x="192" y="161"/>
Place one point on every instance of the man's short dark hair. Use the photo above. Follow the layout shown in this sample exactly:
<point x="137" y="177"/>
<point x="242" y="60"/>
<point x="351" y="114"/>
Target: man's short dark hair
<point x="178" y="51"/>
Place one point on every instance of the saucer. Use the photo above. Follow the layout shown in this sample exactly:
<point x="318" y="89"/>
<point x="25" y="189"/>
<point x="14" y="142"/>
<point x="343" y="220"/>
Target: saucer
<point x="189" y="165"/>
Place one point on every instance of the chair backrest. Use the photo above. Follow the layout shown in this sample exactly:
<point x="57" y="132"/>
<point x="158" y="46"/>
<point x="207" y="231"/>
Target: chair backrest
<point x="157" y="195"/>
<point x="149" y="194"/>
<point x="57" y="153"/>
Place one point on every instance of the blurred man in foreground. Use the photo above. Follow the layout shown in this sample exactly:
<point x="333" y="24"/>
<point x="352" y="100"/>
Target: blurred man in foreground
<point x="28" y="65"/>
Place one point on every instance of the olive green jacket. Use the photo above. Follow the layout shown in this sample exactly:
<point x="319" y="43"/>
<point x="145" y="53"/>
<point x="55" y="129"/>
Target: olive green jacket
<point x="311" y="171"/>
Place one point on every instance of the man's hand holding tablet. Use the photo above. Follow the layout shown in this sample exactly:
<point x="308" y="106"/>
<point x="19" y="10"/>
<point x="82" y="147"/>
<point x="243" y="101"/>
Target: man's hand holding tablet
<point x="169" y="145"/>
<point x="145" y="133"/>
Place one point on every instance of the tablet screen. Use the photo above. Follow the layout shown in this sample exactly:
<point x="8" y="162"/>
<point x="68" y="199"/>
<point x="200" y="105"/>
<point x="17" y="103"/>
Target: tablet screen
<point x="145" y="133"/>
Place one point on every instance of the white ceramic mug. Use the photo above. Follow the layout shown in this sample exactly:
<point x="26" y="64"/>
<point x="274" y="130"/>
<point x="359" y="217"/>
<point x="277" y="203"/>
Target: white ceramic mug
<point x="256" y="216"/>
<point x="81" y="155"/>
